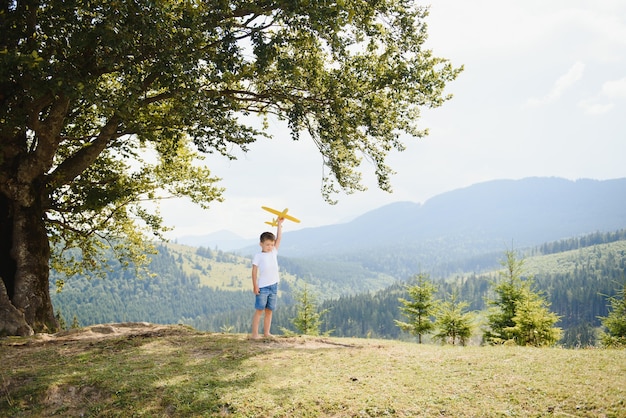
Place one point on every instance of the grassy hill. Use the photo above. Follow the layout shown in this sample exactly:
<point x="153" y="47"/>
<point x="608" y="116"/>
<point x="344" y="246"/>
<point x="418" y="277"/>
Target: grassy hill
<point x="569" y="261"/>
<point x="144" y="370"/>
<point x="217" y="269"/>
<point x="220" y="270"/>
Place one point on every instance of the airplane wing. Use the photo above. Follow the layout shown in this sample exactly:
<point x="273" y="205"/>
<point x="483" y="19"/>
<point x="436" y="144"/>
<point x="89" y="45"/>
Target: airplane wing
<point x="270" y="210"/>
<point x="280" y="214"/>
<point x="291" y="218"/>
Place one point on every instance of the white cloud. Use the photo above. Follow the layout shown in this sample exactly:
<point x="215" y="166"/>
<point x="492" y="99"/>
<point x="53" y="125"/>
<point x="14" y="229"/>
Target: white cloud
<point x="615" y="89"/>
<point x="562" y="84"/>
<point x="592" y="108"/>
<point x="603" y="101"/>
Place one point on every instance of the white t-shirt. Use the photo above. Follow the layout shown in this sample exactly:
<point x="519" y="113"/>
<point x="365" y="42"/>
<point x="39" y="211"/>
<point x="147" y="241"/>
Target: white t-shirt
<point x="267" y="264"/>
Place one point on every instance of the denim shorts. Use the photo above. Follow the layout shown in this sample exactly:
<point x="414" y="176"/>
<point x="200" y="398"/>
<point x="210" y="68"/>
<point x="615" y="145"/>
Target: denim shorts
<point x="266" y="299"/>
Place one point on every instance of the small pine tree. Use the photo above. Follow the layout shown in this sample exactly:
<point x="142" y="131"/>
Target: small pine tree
<point x="518" y="313"/>
<point x="308" y="319"/>
<point x="615" y="322"/>
<point x="75" y="324"/>
<point x="508" y="290"/>
<point x="534" y="323"/>
<point x="420" y="308"/>
<point x="453" y="322"/>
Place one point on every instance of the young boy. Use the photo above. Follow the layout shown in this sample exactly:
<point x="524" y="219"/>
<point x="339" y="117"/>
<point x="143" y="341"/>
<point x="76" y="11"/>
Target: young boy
<point x="265" y="280"/>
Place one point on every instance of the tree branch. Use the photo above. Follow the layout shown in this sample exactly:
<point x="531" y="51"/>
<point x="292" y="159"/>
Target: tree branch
<point x="74" y="165"/>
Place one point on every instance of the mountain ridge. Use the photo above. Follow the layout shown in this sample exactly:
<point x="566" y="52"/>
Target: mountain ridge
<point x="488" y="215"/>
<point x="528" y="211"/>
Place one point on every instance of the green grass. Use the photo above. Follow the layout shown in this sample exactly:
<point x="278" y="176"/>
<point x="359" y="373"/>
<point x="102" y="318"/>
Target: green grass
<point x="174" y="371"/>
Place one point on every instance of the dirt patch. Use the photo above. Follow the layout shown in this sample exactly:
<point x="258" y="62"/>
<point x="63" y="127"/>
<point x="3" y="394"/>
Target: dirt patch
<point x="71" y="398"/>
<point x="102" y="331"/>
<point x="146" y="329"/>
<point x="302" y="341"/>
<point x="77" y="339"/>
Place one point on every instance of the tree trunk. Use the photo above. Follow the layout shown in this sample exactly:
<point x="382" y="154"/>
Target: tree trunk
<point x="25" y="305"/>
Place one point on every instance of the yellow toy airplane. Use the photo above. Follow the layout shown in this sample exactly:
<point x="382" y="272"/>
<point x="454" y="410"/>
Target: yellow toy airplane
<point x="274" y="222"/>
<point x="280" y="214"/>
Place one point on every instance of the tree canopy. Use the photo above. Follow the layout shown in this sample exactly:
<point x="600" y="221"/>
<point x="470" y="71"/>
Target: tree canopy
<point x="106" y="104"/>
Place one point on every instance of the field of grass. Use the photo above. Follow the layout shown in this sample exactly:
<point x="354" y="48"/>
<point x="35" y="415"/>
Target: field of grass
<point x="145" y="370"/>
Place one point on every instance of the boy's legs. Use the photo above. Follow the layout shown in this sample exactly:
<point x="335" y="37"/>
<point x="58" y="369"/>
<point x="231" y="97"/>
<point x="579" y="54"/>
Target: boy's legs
<point x="260" y="303"/>
<point x="269" y="309"/>
<point x="256" y="319"/>
<point x="265" y="301"/>
<point x="267" y="323"/>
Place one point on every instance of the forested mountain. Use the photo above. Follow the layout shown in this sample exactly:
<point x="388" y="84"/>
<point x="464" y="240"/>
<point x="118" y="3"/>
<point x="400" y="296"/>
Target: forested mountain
<point x="210" y="290"/>
<point x="453" y="232"/>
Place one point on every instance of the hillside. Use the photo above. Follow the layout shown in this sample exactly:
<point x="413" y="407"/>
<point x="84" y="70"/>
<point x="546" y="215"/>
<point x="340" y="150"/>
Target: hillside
<point x="188" y="284"/>
<point x="213" y="268"/>
<point x="210" y="289"/>
<point x="568" y="262"/>
<point x="183" y="284"/>
<point x="140" y="369"/>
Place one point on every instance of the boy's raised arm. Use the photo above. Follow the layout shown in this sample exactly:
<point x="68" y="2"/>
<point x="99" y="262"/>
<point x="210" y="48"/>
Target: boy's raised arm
<point x="279" y="232"/>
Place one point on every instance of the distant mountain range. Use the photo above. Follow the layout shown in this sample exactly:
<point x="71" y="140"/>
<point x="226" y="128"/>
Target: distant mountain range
<point x="485" y="217"/>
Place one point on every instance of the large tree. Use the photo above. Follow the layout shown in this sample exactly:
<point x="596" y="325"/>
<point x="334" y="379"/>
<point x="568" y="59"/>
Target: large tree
<point x="104" y="104"/>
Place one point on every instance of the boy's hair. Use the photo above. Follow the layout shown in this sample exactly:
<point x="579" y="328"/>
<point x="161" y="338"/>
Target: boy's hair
<point x="267" y="236"/>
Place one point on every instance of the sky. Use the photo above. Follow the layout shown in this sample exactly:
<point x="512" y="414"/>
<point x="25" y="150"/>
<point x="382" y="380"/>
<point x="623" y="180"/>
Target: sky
<point x="543" y="93"/>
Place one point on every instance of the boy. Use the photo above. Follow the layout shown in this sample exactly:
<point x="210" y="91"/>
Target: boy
<point x="265" y="280"/>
